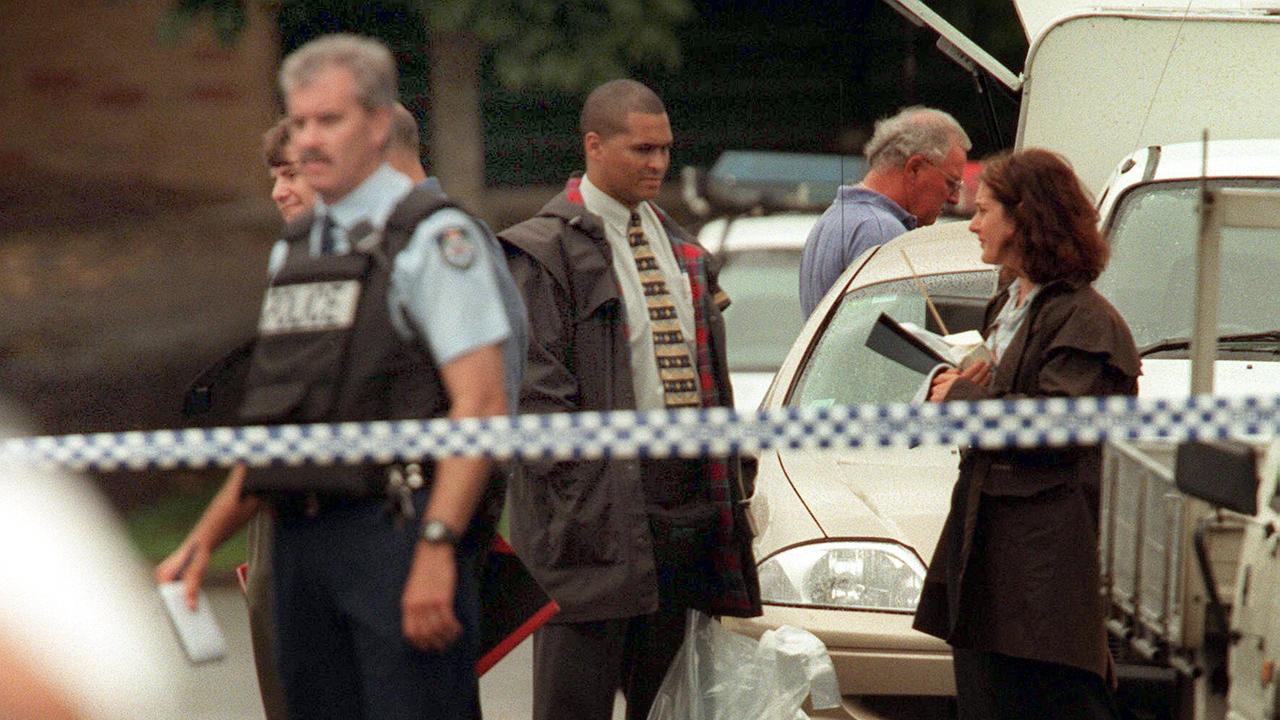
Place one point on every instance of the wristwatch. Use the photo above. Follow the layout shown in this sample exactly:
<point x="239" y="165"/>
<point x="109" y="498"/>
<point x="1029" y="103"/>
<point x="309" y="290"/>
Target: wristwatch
<point x="435" y="532"/>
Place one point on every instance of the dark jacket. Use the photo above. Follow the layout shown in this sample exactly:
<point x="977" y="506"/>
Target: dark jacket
<point x="1016" y="569"/>
<point x="582" y="526"/>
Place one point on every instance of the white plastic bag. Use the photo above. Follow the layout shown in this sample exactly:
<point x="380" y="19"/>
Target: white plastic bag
<point x="720" y="675"/>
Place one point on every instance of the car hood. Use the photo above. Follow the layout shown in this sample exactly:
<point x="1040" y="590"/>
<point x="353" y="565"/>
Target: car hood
<point x="1171" y="378"/>
<point x="884" y="493"/>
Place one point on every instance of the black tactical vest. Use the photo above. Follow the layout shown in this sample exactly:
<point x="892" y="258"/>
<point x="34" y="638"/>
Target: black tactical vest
<point x="327" y="351"/>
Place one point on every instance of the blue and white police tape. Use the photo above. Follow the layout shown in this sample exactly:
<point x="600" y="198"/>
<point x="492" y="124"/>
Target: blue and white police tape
<point x="991" y="424"/>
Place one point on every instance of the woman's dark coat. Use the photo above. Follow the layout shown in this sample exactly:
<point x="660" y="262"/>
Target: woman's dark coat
<point x="1016" y="570"/>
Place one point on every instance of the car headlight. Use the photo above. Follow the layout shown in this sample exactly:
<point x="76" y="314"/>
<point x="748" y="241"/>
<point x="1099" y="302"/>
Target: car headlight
<point x="846" y="574"/>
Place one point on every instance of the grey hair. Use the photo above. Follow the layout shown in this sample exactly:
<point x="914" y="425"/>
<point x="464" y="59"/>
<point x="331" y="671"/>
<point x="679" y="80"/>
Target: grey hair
<point x="404" y="130"/>
<point x="368" y="61"/>
<point x="916" y="130"/>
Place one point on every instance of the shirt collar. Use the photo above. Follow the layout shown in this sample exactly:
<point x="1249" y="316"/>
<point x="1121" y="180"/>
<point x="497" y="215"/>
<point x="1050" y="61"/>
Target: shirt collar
<point x="373" y="199"/>
<point x="610" y="210"/>
<point x="1013" y="294"/>
<point x="860" y="194"/>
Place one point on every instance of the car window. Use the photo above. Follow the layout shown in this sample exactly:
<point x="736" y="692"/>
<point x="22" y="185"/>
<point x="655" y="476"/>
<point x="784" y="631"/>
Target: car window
<point x="842" y="370"/>
<point x="764" y="318"/>
<point x="1151" y="276"/>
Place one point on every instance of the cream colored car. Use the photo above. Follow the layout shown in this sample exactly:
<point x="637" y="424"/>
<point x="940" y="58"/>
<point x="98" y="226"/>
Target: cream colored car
<point x="845" y="534"/>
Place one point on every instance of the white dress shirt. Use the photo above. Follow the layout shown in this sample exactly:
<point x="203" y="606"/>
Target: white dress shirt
<point x="616" y="216"/>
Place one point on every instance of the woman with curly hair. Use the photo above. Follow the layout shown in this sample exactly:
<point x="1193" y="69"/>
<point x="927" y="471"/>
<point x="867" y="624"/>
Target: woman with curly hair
<point x="1014" y="583"/>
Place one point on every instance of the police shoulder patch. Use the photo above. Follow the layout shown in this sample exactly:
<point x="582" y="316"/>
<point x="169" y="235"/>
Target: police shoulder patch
<point x="457" y="248"/>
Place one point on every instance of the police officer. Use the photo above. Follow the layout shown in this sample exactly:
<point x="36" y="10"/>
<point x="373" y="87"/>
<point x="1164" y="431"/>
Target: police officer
<point x="364" y="320"/>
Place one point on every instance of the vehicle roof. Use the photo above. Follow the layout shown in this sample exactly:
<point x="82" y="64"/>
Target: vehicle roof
<point x="1152" y="78"/>
<point x="941" y="248"/>
<point x="1036" y="15"/>
<point x="783" y="231"/>
<point x="1185" y="161"/>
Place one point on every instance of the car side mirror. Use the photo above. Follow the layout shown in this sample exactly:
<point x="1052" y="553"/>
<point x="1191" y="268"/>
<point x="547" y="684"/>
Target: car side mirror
<point x="1220" y="473"/>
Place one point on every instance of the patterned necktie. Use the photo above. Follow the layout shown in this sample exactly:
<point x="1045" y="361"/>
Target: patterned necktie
<point x="675" y="365"/>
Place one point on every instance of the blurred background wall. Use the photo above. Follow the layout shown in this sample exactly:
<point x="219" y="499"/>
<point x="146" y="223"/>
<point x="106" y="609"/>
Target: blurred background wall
<point x="87" y="89"/>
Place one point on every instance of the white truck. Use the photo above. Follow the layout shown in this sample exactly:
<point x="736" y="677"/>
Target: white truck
<point x="1127" y="91"/>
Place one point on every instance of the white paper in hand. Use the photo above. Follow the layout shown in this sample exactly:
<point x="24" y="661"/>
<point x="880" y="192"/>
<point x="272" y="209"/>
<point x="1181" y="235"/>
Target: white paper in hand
<point x="198" y="631"/>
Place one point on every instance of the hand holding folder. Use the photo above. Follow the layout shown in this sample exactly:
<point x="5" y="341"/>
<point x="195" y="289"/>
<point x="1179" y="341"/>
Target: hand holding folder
<point x="920" y="350"/>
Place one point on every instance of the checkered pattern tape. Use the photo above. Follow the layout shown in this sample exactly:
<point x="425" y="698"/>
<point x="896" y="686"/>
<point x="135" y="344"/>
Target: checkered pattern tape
<point x="664" y="433"/>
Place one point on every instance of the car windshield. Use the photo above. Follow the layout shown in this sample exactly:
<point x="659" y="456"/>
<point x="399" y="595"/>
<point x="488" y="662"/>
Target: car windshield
<point x="1151" y="278"/>
<point x="842" y="370"/>
<point x="763" y="318"/>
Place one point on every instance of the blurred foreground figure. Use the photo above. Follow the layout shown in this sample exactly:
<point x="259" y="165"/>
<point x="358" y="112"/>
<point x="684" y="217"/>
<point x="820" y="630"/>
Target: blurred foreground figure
<point x="82" y="633"/>
<point x="625" y="315"/>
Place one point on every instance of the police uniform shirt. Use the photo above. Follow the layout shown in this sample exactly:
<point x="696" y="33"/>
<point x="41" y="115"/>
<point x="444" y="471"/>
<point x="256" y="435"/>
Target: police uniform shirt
<point x="516" y="347"/>
<point x="442" y="281"/>
<point x="616" y="216"/>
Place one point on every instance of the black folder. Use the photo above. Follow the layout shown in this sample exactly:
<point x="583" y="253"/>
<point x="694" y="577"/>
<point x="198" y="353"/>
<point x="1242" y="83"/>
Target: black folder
<point x="890" y="339"/>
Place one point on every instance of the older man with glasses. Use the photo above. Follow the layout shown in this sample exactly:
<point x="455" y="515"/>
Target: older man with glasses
<point x="917" y="162"/>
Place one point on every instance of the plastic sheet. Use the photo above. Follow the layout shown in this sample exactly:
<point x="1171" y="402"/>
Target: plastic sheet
<point x="720" y="675"/>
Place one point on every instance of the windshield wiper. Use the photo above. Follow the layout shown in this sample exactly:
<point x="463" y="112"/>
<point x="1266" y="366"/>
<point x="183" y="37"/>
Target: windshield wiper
<point x="1183" y="343"/>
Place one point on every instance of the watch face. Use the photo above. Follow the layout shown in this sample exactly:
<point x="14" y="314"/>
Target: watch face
<point x="435" y="531"/>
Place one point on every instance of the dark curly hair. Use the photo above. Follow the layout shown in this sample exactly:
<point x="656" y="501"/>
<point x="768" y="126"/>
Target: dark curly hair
<point x="275" y="142"/>
<point x="1056" y="232"/>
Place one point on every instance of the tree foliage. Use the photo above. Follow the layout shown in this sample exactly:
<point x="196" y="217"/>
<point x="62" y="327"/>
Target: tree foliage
<point x="566" y="45"/>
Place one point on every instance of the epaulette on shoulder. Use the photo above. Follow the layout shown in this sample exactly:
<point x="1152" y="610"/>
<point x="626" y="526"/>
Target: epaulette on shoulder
<point x="415" y="207"/>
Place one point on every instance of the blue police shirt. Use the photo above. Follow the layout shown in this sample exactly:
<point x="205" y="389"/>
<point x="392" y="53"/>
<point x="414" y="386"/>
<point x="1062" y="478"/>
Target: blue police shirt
<point x="857" y="220"/>
<point x="443" y="281"/>
<point x="516" y="347"/>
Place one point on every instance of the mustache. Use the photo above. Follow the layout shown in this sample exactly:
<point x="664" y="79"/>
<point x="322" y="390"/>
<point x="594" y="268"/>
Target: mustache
<point x="311" y="155"/>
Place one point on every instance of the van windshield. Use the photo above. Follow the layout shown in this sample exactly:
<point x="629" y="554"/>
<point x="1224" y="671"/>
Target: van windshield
<point x="1151" y="278"/>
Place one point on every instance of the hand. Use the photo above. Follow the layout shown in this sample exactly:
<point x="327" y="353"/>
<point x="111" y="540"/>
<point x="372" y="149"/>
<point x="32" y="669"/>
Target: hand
<point x="978" y="373"/>
<point x="189" y="562"/>
<point x="427" y="602"/>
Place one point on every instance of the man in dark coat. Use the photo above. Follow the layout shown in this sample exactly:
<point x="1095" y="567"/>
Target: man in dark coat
<point x="625" y="314"/>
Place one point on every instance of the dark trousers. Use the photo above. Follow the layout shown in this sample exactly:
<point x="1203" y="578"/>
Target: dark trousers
<point x="338" y="582"/>
<point x="578" y="668"/>
<point x="992" y="686"/>
<point x="262" y="622"/>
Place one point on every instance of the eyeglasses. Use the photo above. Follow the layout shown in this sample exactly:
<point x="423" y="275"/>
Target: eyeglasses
<point x="954" y="182"/>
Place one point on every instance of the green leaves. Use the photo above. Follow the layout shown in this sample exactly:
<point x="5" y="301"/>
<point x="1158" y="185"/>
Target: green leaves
<point x="562" y="44"/>
<point x="571" y="46"/>
<point x="227" y="17"/>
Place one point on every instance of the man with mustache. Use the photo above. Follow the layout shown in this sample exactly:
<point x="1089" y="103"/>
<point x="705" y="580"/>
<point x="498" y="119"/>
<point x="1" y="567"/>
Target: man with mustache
<point x="375" y="598"/>
<point x="628" y="317"/>
<point x="376" y="614"/>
